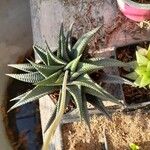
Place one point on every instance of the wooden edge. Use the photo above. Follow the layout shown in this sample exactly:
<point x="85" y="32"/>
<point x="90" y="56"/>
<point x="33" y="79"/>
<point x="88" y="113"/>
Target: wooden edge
<point x="74" y="117"/>
<point x="137" y="106"/>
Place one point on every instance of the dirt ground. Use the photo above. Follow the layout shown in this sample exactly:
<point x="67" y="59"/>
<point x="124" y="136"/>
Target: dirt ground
<point x="126" y="128"/>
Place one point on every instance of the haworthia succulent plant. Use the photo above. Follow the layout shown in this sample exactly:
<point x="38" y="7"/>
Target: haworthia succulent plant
<point x="141" y="73"/>
<point x="67" y="70"/>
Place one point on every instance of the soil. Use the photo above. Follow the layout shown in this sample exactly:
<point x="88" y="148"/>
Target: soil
<point x="15" y="88"/>
<point x="126" y="128"/>
<point x="132" y="95"/>
<point x="142" y="1"/>
<point x="54" y="97"/>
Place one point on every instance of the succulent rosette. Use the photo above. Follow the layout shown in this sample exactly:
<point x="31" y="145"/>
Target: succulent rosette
<point x="141" y="73"/>
<point x="68" y="71"/>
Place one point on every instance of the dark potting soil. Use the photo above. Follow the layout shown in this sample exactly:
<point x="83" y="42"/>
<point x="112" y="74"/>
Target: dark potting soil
<point x="54" y="97"/>
<point x="71" y="106"/>
<point x="142" y="1"/>
<point x="23" y="124"/>
<point x="133" y="95"/>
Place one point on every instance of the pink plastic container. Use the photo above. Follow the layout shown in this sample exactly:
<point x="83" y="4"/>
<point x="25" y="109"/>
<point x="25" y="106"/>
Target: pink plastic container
<point x="134" y="11"/>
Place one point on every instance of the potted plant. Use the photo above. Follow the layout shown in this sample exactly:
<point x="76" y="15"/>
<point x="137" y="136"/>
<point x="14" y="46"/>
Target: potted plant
<point x="67" y="72"/>
<point x="138" y="72"/>
<point x="137" y="10"/>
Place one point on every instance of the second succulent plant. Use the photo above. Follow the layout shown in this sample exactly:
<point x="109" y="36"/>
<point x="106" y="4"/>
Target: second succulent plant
<point x="141" y="72"/>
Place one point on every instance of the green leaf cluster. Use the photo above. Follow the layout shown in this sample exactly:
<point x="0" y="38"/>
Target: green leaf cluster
<point x="134" y="146"/>
<point x="141" y="73"/>
<point x="68" y="71"/>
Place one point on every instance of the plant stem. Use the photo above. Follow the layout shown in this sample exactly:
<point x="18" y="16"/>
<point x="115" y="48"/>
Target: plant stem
<point x="50" y="132"/>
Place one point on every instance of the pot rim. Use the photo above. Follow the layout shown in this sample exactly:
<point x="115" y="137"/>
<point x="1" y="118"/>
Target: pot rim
<point x="135" y="4"/>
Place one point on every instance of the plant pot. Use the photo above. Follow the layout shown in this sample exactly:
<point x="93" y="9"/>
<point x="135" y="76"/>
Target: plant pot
<point x="12" y="132"/>
<point x="15" y="41"/>
<point x="134" y="97"/>
<point x="133" y="10"/>
<point x="9" y="54"/>
<point x="25" y="118"/>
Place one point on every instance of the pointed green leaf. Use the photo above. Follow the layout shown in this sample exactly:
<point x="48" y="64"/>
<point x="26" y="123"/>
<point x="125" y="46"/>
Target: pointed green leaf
<point x="68" y="40"/>
<point x="38" y="90"/>
<point x="94" y="92"/>
<point x="20" y="96"/>
<point x="50" y="61"/>
<point x="86" y="115"/>
<point x="138" y="81"/>
<point x="140" y="70"/>
<point x="55" y="58"/>
<point x="145" y="81"/>
<point x="149" y="47"/>
<point x="73" y="64"/>
<point x="23" y="102"/>
<point x="142" y="51"/>
<point x="61" y="40"/>
<point x="23" y="67"/>
<point x="101" y="95"/>
<point x="97" y="103"/>
<point x="130" y="65"/>
<point x="49" y="80"/>
<point x="63" y="44"/>
<point x="82" y="42"/>
<point x="132" y="76"/>
<point x="85" y="82"/>
<point x="75" y="91"/>
<point x="96" y="64"/>
<point x="84" y="68"/>
<point x="41" y="53"/>
<point x="51" y="119"/>
<point x="148" y="67"/>
<point x="27" y="77"/>
<point x="60" y="78"/>
<point x="45" y="70"/>
<point x="115" y="79"/>
<point x="34" y="94"/>
<point x="61" y="34"/>
<point x="142" y="60"/>
<point x="106" y="62"/>
<point x="148" y="52"/>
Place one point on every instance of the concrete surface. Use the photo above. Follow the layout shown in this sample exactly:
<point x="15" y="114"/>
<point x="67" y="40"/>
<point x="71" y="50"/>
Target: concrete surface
<point x="15" y="40"/>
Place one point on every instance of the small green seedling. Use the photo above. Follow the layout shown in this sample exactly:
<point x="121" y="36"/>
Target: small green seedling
<point x="134" y="146"/>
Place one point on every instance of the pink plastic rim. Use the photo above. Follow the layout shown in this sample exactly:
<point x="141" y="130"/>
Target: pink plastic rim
<point x="134" y="11"/>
